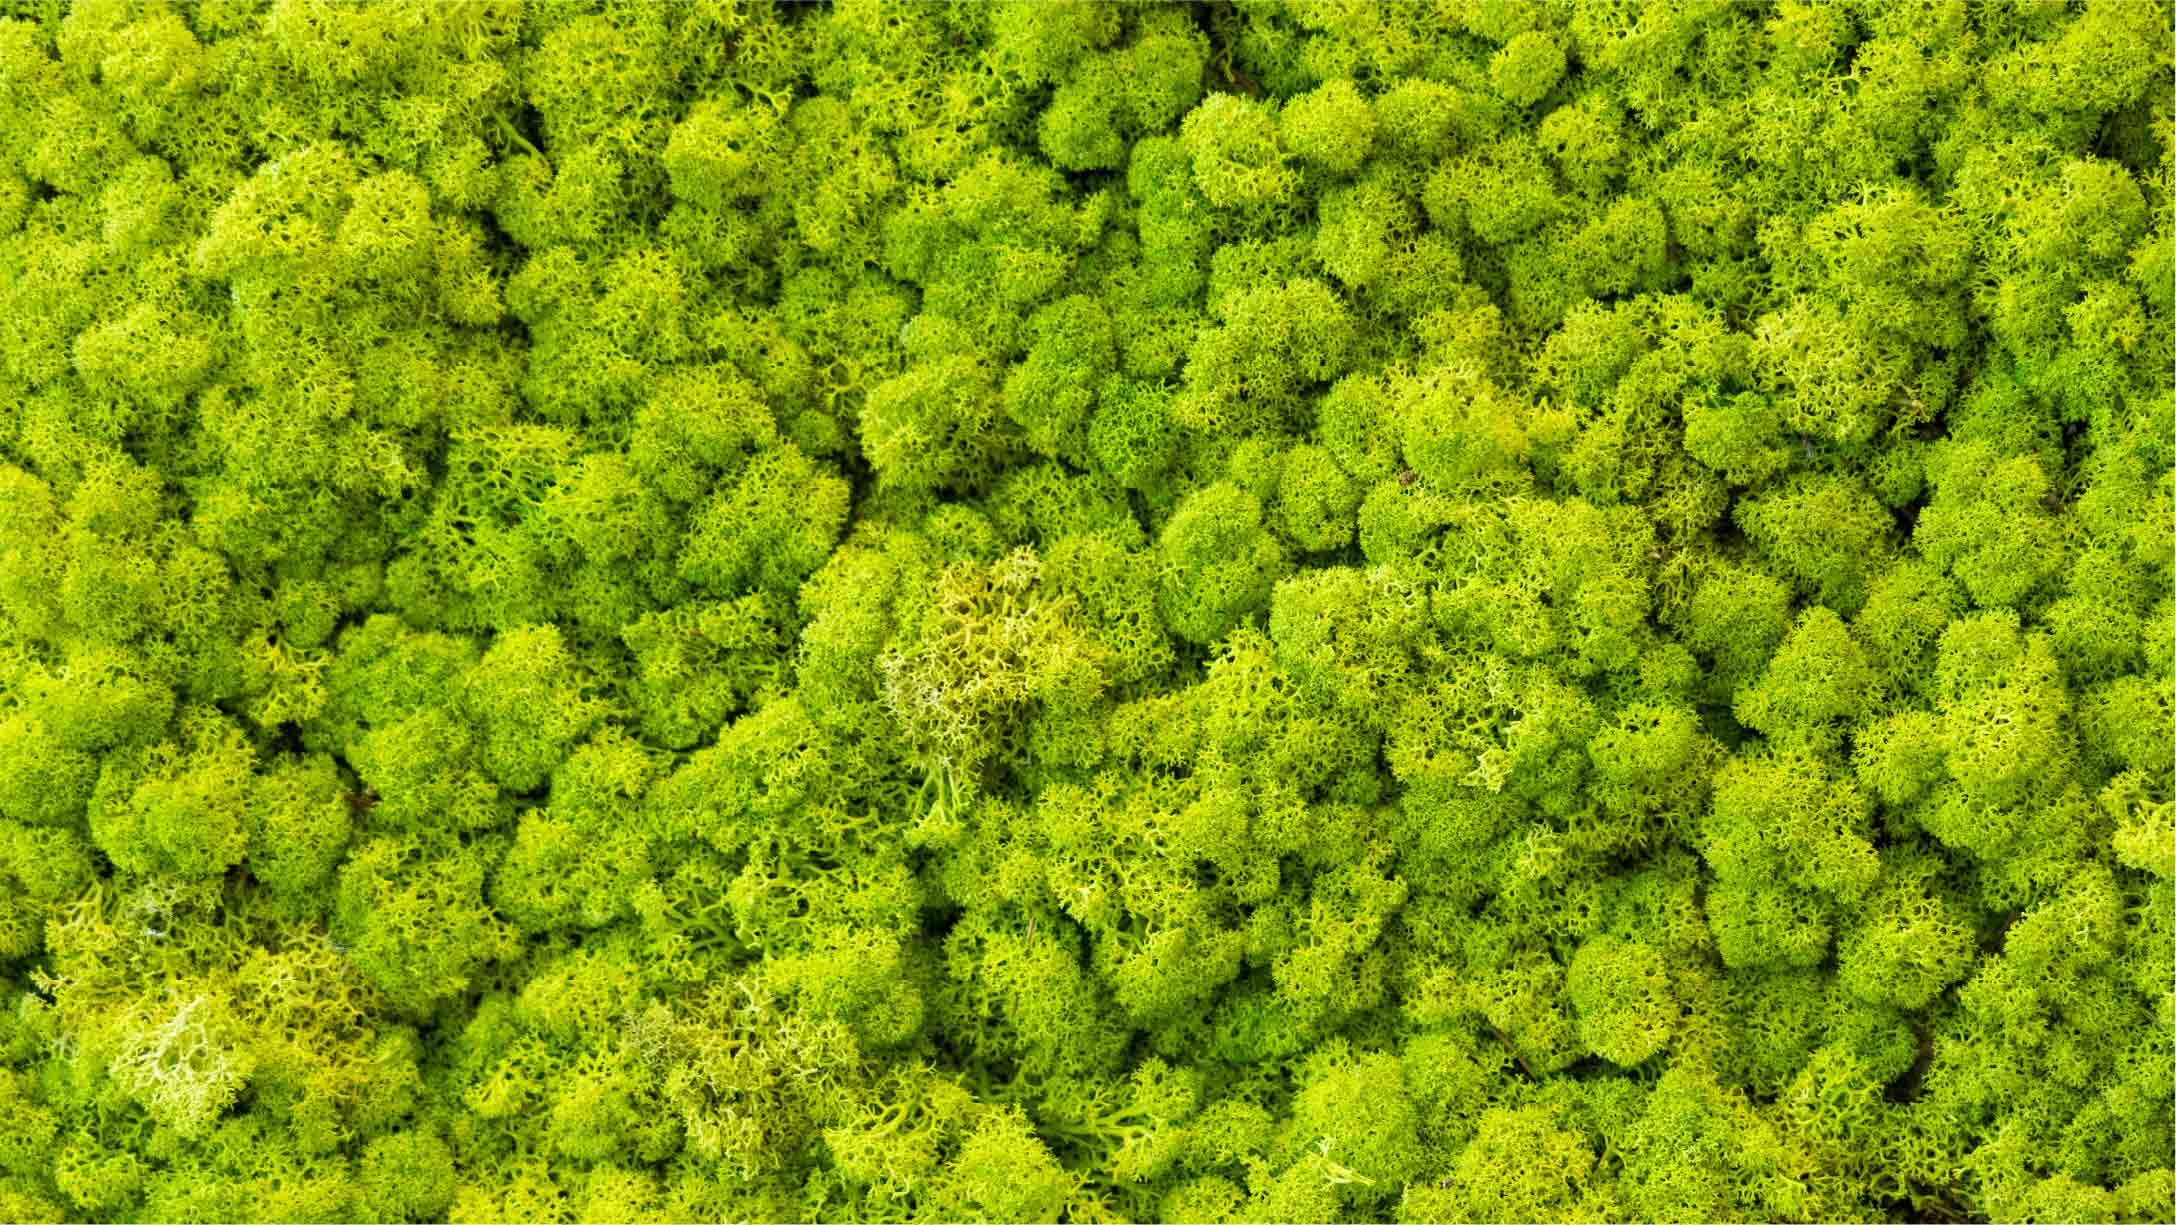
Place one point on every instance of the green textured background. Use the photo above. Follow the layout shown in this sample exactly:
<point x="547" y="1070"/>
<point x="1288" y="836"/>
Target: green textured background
<point x="1479" y="610"/>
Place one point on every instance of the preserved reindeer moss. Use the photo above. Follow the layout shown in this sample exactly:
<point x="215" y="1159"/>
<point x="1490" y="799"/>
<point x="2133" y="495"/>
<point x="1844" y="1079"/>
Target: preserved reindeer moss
<point x="1494" y="610"/>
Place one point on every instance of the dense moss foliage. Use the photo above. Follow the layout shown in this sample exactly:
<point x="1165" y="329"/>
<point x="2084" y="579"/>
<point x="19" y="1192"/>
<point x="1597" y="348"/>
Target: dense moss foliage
<point x="1292" y="610"/>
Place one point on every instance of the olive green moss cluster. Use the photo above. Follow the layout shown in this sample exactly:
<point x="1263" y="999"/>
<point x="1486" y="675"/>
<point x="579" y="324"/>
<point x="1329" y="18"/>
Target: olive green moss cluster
<point x="1291" y="610"/>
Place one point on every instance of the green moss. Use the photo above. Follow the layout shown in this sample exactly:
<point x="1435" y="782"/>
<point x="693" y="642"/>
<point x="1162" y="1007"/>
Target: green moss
<point x="1497" y="611"/>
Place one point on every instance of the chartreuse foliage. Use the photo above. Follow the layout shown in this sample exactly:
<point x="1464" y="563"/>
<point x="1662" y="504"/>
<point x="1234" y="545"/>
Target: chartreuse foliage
<point x="699" y="610"/>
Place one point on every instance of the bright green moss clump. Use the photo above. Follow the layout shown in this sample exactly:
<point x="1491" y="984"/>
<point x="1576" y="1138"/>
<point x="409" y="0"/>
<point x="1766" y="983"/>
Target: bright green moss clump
<point x="676" y="610"/>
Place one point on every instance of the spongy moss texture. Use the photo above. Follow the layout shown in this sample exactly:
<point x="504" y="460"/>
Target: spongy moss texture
<point x="1481" y="610"/>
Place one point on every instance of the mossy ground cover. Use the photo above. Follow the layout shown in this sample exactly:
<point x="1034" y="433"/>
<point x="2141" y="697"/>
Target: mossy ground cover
<point x="1484" y="610"/>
